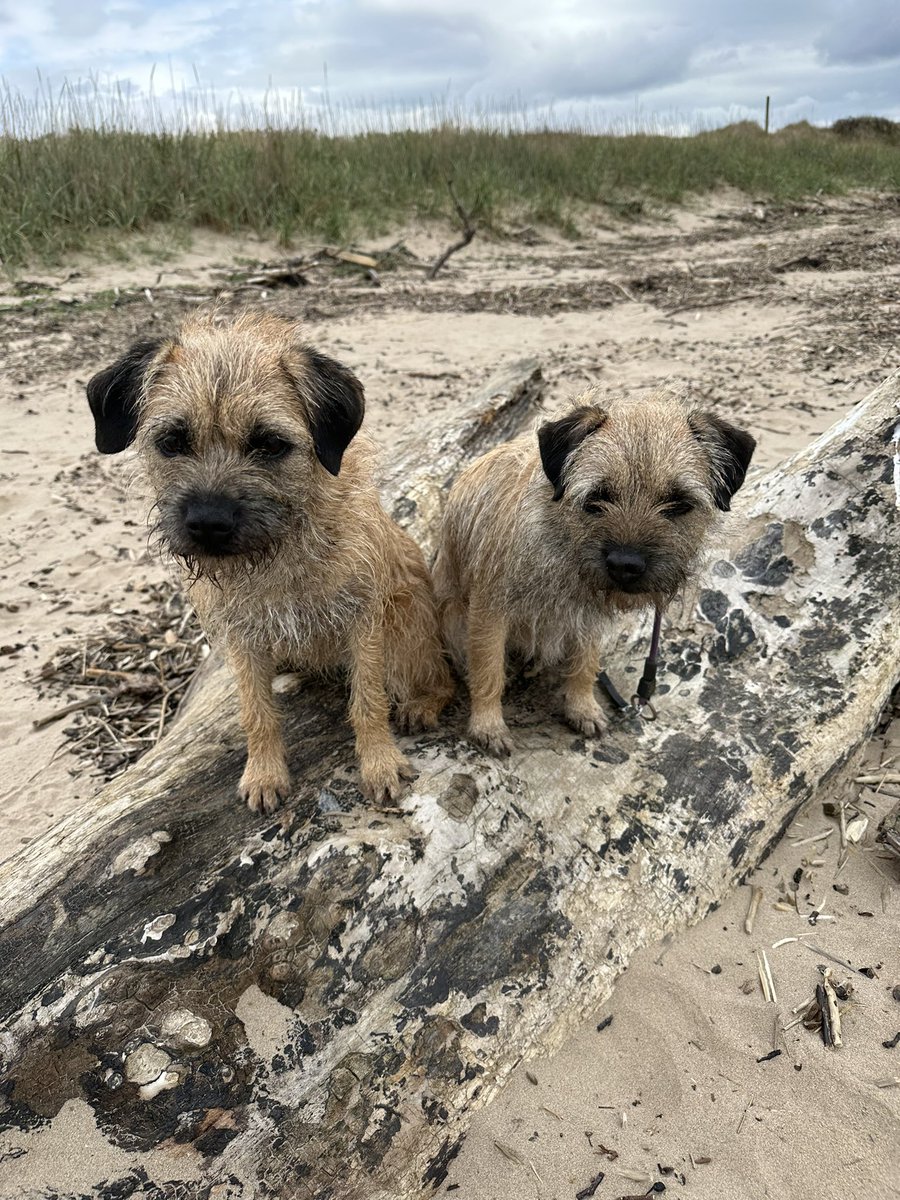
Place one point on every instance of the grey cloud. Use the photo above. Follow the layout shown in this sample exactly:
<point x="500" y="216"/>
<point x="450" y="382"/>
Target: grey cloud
<point x="817" y="58"/>
<point x="865" y="31"/>
<point x="601" y="63"/>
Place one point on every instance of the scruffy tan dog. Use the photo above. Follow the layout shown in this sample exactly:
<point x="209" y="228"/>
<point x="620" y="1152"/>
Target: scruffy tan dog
<point x="607" y="508"/>
<point x="264" y="491"/>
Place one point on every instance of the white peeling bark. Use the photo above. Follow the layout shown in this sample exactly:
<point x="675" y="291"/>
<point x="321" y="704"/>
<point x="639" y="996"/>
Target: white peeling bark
<point x="325" y="999"/>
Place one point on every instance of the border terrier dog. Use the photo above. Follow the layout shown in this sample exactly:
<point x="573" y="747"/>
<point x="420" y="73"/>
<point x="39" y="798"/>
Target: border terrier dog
<point x="264" y="491"/>
<point x="607" y="509"/>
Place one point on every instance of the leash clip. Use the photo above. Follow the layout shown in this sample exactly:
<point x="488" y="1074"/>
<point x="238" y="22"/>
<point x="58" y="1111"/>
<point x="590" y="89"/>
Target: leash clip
<point x="644" y="709"/>
<point x="642" y="700"/>
<point x="643" y="697"/>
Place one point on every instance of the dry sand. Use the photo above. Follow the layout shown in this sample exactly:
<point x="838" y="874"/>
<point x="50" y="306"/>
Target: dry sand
<point x="674" y="1088"/>
<point x="783" y="318"/>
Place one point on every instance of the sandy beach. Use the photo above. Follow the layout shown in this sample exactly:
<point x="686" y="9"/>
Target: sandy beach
<point x="688" y="1080"/>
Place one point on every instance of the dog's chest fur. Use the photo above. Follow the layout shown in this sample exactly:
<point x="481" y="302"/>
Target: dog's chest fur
<point x="304" y="626"/>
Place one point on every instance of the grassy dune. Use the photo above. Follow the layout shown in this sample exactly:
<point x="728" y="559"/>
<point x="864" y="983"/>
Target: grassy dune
<point x="58" y="191"/>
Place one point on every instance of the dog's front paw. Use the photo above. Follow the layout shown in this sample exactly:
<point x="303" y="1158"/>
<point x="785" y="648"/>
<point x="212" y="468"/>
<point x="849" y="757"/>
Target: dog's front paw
<point x="588" y="719"/>
<point x="264" y="786"/>
<point x="493" y="736"/>
<point x="384" y="776"/>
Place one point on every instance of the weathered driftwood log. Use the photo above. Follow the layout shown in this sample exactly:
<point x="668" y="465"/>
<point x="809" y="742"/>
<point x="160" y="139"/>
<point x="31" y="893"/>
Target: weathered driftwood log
<point x="313" y="1006"/>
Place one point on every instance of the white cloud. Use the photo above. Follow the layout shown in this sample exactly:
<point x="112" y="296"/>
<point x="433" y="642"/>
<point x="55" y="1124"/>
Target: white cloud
<point x="817" y="58"/>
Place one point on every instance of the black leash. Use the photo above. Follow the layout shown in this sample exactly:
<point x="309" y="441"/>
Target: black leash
<point x="646" y="687"/>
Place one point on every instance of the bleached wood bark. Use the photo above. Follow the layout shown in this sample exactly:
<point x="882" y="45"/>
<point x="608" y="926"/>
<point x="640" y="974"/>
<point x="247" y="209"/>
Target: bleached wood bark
<point x="313" y="1007"/>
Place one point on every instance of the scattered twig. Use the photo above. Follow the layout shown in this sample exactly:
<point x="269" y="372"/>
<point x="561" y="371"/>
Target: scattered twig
<point x="709" y="303"/>
<point x="433" y="375"/>
<point x="755" y="901"/>
<point x="588" y="1191"/>
<point x="816" y="837"/>
<point x="353" y="259"/>
<point x="150" y="657"/>
<point x="510" y="1153"/>
<point x="828" y="1007"/>
<point x="163" y="708"/>
<point x="75" y="706"/>
<point x="841" y="962"/>
<point x="765" y="977"/>
<point x="469" y="231"/>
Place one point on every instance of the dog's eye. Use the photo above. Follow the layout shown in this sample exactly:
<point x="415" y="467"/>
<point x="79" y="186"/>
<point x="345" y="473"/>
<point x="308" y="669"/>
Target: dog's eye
<point x="598" y="501"/>
<point x="268" y="446"/>
<point x="678" y="508"/>
<point x="173" y="443"/>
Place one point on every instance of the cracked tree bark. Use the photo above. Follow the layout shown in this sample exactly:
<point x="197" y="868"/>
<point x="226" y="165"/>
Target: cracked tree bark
<point x="313" y="1007"/>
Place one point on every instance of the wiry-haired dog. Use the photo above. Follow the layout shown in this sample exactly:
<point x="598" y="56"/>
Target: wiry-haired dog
<point x="606" y="509"/>
<point x="264" y="490"/>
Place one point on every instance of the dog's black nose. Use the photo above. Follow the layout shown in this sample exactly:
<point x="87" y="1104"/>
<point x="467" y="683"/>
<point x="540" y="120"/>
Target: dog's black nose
<point x="211" y="523"/>
<point x="625" y="566"/>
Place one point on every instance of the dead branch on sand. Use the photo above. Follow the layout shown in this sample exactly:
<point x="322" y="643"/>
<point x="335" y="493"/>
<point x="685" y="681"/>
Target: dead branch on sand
<point x="469" y="231"/>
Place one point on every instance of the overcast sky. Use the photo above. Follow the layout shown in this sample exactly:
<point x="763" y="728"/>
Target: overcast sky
<point x="697" y="60"/>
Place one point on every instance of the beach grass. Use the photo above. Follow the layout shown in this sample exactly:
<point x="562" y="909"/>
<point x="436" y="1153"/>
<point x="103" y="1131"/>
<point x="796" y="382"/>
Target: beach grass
<point x="62" y="187"/>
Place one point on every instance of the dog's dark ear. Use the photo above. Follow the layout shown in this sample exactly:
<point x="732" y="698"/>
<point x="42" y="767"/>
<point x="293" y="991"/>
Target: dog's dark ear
<point x="339" y="406"/>
<point x="730" y="450"/>
<point x="114" y="394"/>
<point x="557" y="440"/>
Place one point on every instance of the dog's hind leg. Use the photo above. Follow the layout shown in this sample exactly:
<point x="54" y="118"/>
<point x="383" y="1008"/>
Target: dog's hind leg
<point x="418" y="675"/>
<point x="487" y="676"/>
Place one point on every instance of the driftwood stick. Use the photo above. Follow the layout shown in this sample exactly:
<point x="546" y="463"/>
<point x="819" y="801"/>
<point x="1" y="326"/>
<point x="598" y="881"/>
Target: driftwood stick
<point x="831" y="1014"/>
<point x="752" y="909"/>
<point x="68" y="709"/>
<point x="469" y="231"/>
<point x="313" y="1007"/>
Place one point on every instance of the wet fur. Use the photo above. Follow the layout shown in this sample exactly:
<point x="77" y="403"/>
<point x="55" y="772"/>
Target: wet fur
<point x="520" y="565"/>
<point x="316" y="575"/>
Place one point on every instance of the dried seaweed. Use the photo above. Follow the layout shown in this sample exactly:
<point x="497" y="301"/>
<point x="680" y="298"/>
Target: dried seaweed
<point x="137" y="670"/>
